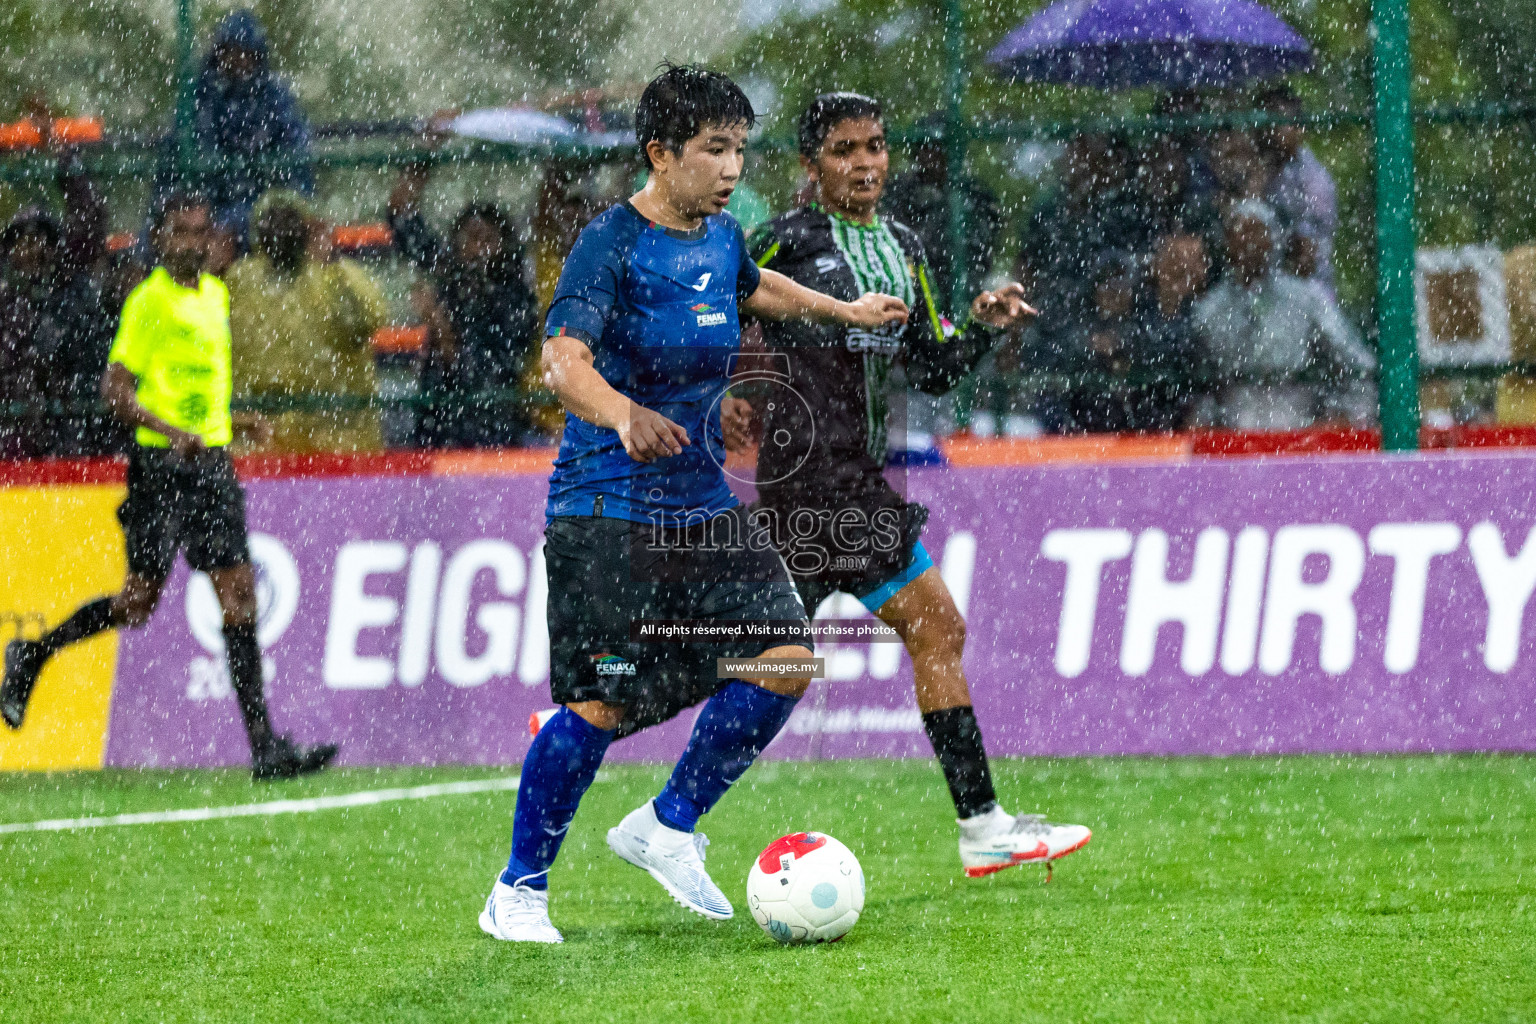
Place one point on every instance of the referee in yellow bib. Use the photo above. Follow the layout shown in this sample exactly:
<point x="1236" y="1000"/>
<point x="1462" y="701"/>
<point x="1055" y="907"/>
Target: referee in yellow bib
<point x="168" y="376"/>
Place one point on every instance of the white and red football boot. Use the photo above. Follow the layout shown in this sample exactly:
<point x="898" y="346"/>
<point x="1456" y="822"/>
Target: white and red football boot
<point x="996" y="840"/>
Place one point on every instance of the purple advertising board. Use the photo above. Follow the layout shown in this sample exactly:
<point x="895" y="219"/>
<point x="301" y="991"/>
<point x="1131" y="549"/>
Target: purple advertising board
<point x="1344" y="604"/>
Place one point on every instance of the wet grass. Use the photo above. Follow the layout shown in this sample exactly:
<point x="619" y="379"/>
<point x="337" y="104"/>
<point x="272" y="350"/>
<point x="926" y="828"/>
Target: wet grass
<point x="1214" y="890"/>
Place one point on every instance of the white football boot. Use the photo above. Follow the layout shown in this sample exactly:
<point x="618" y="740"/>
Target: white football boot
<point x="996" y="840"/>
<point x="673" y="858"/>
<point x="516" y="913"/>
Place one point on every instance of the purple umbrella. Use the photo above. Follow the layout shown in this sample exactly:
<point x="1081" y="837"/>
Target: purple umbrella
<point x="1120" y="44"/>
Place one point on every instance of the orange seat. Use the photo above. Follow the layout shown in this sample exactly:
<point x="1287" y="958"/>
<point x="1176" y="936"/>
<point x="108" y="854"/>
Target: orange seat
<point x="361" y="236"/>
<point x="63" y="131"/>
<point x="389" y="341"/>
<point x="21" y="135"/>
<point x="76" y="131"/>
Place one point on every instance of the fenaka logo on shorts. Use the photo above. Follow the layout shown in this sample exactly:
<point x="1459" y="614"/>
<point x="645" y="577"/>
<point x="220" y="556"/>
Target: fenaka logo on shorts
<point x="612" y="665"/>
<point x="707" y="318"/>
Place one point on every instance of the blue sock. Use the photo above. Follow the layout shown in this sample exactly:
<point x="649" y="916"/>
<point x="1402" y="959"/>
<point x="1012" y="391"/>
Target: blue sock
<point x="561" y="764"/>
<point x="734" y="727"/>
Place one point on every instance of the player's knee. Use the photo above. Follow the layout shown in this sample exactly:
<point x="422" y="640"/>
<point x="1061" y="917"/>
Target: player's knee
<point x="236" y="590"/>
<point x="599" y="713"/>
<point x="240" y="612"/>
<point x="785" y="685"/>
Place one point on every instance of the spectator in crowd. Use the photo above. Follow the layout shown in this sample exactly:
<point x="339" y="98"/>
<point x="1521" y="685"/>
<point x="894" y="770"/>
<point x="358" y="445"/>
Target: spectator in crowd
<point x="559" y="213"/>
<point x="26" y="247"/>
<point x="1141" y="347"/>
<point x="1179" y="270"/>
<point x="1301" y="191"/>
<point x="56" y="325"/>
<point x="480" y="315"/>
<point x="1168" y="200"/>
<point x="1238" y="167"/>
<point x="242" y="112"/>
<point x="1284" y="355"/>
<point x="1111" y="337"/>
<point x="1090" y="213"/>
<point x="300" y="324"/>
<point x="918" y="197"/>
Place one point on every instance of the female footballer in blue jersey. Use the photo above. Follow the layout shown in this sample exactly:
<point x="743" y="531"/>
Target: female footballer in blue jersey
<point x="640" y="524"/>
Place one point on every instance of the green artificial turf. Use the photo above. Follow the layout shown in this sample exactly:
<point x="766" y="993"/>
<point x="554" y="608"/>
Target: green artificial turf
<point x="1360" y="889"/>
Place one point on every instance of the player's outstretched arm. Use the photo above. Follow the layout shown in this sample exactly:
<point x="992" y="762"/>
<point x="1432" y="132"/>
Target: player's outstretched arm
<point x="779" y="298"/>
<point x="569" y="373"/>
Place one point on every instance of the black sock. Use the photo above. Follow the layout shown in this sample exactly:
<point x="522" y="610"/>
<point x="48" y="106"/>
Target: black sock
<point x="88" y="620"/>
<point x="245" y="676"/>
<point x="956" y="739"/>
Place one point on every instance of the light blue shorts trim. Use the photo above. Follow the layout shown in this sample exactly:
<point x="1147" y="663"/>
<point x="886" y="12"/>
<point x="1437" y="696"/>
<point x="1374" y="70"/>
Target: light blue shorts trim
<point x="920" y="564"/>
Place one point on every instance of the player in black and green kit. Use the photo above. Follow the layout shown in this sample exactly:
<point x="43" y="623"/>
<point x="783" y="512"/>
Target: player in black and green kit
<point x="168" y="376"/>
<point x="822" y="457"/>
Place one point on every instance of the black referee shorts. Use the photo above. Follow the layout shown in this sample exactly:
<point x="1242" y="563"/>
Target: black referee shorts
<point x="193" y="504"/>
<point x="607" y="574"/>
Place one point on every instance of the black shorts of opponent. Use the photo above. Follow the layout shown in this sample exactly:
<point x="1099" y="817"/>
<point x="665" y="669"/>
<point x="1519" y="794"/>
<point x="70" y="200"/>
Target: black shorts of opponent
<point x="852" y="543"/>
<point x="606" y="575"/>
<point x="192" y="503"/>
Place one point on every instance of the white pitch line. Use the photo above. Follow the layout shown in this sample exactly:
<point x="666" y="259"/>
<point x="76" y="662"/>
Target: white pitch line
<point x="271" y="807"/>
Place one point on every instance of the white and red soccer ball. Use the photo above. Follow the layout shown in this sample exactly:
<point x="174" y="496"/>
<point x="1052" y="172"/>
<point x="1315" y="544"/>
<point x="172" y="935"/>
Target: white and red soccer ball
<point x="806" y="887"/>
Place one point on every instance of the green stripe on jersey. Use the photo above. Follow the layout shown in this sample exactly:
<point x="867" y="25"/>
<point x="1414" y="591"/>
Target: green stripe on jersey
<point x="875" y="257"/>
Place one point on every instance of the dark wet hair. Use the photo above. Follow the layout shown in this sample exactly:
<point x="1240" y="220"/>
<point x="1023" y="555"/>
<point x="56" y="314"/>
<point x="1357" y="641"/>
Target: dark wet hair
<point x="30" y="223"/>
<point x="680" y="101"/>
<point x="508" y="266"/>
<point x="829" y="110"/>
<point x="175" y="202"/>
<point x="282" y="233"/>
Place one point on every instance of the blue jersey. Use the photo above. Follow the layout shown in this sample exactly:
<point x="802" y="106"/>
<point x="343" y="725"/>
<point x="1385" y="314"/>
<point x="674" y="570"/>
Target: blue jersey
<point x="658" y="309"/>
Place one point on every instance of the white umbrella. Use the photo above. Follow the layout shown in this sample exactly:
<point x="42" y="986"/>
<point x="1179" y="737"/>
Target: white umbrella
<point x="517" y="125"/>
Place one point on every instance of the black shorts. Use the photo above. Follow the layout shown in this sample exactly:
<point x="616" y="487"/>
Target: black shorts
<point x="193" y="504"/>
<point x="851" y="542"/>
<point x="607" y="574"/>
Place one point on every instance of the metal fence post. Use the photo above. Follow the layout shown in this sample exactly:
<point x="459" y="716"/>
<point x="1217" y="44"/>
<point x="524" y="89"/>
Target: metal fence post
<point x="956" y="145"/>
<point x="1396" y="237"/>
<point x="186" y="84"/>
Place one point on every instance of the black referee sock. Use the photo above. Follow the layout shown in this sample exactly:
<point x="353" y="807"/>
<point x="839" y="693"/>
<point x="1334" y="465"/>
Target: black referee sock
<point x="245" y="676"/>
<point x="956" y="739"/>
<point x="88" y="620"/>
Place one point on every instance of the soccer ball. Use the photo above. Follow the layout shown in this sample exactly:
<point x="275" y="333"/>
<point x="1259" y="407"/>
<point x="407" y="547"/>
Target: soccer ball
<point x="806" y="887"/>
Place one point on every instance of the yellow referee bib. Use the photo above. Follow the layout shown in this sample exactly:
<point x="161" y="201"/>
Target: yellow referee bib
<point x="175" y="340"/>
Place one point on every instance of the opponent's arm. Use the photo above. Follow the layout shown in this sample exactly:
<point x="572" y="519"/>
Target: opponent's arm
<point x="780" y="298"/>
<point x="119" y="389"/>
<point x="569" y="373"/>
<point x="938" y="357"/>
